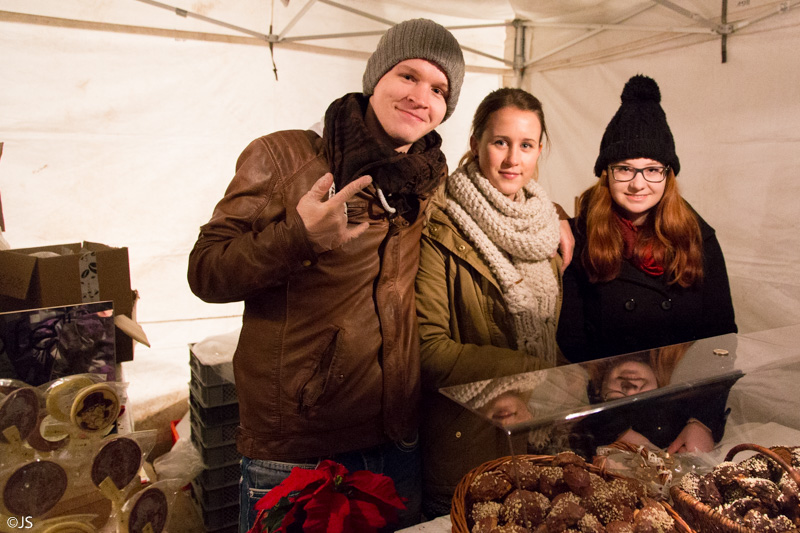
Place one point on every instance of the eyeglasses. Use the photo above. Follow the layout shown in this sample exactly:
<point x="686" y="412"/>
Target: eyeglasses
<point x="628" y="173"/>
<point x="627" y="387"/>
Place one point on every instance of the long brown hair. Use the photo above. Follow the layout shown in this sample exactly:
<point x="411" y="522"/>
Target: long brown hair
<point x="671" y="228"/>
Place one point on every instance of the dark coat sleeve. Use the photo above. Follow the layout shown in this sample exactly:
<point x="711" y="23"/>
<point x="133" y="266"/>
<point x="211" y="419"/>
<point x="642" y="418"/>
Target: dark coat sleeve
<point x="718" y="316"/>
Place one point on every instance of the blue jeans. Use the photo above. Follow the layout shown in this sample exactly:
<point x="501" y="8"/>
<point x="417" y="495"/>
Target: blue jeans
<point x="400" y="461"/>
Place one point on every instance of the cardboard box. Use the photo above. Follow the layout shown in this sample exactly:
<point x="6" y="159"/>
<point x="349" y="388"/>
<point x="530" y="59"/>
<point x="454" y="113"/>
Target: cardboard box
<point x="67" y="274"/>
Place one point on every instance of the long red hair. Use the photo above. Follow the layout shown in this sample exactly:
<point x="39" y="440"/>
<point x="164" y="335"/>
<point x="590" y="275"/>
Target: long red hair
<point x="671" y="229"/>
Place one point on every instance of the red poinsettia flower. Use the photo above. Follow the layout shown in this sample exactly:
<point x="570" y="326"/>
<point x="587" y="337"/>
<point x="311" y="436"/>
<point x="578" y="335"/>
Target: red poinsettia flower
<point x="329" y="499"/>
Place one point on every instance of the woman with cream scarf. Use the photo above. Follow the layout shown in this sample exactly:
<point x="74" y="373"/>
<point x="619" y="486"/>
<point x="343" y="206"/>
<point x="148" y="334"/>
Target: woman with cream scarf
<point x="488" y="286"/>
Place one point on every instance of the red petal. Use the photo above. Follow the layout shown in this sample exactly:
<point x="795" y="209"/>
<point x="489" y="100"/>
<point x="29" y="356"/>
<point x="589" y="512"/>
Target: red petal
<point x="257" y="525"/>
<point x="326" y="513"/>
<point x="366" y="517"/>
<point x="332" y="468"/>
<point x="377" y="485"/>
<point x="298" y="479"/>
<point x="289" y="519"/>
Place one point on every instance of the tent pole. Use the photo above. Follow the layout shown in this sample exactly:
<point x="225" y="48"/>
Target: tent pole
<point x="295" y="20"/>
<point x="782" y="8"/>
<point x="724" y="20"/>
<point x="359" y="12"/>
<point x="689" y="14"/>
<point x="519" y="52"/>
<point x="184" y="13"/>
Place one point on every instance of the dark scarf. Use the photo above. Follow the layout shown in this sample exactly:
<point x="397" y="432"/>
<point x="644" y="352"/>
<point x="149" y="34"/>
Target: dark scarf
<point x="643" y="258"/>
<point x="353" y="152"/>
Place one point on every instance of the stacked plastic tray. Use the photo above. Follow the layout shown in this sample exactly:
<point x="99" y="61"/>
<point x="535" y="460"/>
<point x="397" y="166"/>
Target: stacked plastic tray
<point x="214" y="416"/>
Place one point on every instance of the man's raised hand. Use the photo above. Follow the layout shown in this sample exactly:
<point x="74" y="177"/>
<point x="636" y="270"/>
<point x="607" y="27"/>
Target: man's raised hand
<point x="326" y="221"/>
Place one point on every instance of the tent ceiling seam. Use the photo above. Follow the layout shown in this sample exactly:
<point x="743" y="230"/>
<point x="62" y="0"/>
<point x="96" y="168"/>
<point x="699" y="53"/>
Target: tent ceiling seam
<point x="722" y="28"/>
<point x="634" y="49"/>
<point x="781" y="9"/>
<point x="41" y="20"/>
<point x="590" y="34"/>
<point x="689" y="14"/>
<point x="359" y="12"/>
<point x="184" y="13"/>
<point x="618" y="27"/>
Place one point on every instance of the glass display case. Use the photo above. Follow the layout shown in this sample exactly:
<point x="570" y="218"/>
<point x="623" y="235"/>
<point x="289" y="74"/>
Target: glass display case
<point x="743" y="388"/>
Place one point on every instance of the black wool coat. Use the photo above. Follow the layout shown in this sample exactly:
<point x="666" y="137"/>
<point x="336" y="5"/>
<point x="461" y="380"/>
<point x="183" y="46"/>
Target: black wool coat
<point x="637" y="311"/>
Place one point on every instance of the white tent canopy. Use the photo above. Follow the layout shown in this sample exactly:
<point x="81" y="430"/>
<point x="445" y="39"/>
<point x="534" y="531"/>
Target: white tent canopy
<point x="122" y="119"/>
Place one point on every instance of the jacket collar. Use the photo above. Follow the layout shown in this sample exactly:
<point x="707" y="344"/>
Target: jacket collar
<point x="443" y="230"/>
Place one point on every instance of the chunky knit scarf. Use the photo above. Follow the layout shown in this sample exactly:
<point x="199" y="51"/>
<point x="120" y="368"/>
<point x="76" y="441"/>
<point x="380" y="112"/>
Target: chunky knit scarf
<point x="353" y="151"/>
<point x="516" y="239"/>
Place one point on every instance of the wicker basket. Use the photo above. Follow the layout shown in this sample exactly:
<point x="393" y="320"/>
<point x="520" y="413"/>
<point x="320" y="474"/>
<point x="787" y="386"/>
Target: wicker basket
<point x="706" y="519"/>
<point x="458" y="509"/>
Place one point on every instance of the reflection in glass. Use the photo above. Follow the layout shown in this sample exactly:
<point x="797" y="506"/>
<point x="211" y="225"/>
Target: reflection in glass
<point x="41" y="345"/>
<point x="648" y="397"/>
<point x="627" y="379"/>
<point x="691" y="418"/>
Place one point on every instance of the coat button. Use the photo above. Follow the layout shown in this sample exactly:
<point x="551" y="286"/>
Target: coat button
<point x="666" y="305"/>
<point x="461" y="247"/>
<point x="630" y="305"/>
<point x="458" y="434"/>
<point x="306" y="263"/>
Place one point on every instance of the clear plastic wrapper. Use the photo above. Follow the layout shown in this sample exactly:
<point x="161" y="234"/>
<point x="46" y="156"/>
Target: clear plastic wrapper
<point x="115" y="464"/>
<point x="60" y="394"/>
<point x="183" y="462"/>
<point x="213" y="357"/>
<point x="79" y="523"/>
<point x="658" y="469"/>
<point x="83" y="414"/>
<point x="147" y="511"/>
<point x="19" y="411"/>
<point x="32" y="488"/>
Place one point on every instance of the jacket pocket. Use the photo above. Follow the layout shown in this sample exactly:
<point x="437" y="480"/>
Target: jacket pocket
<point x="322" y="377"/>
<point x="356" y="207"/>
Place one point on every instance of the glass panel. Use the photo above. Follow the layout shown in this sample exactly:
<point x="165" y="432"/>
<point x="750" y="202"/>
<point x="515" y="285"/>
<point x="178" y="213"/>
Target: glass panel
<point x="728" y="383"/>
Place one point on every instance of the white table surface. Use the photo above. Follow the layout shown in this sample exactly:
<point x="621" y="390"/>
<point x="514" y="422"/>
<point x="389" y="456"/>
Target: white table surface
<point x="437" y="525"/>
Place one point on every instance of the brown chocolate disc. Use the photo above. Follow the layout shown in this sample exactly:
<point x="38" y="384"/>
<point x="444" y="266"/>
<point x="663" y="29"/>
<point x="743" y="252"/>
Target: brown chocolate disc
<point x="21" y="409"/>
<point x="150" y="508"/>
<point x="119" y="459"/>
<point x="35" y="488"/>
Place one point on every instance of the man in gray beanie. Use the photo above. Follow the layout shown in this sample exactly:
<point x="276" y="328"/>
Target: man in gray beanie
<point x="319" y="236"/>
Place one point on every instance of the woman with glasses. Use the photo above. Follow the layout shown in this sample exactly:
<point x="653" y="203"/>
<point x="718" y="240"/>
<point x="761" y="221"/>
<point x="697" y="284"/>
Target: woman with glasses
<point x="648" y="270"/>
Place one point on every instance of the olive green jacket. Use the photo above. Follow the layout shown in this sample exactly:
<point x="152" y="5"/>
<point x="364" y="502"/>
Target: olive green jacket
<point x="466" y="335"/>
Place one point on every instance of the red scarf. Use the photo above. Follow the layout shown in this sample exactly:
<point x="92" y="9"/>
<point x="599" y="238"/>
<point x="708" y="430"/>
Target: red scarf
<point x="643" y="260"/>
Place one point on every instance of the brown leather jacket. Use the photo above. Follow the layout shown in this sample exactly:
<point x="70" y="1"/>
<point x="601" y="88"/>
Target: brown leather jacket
<point x="328" y="357"/>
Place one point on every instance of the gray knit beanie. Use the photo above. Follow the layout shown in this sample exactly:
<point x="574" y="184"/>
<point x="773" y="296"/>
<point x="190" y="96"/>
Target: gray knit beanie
<point x="418" y="39"/>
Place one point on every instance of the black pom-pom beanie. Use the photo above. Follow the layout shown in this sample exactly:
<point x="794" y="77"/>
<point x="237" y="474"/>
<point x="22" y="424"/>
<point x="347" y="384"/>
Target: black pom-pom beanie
<point x="638" y="129"/>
